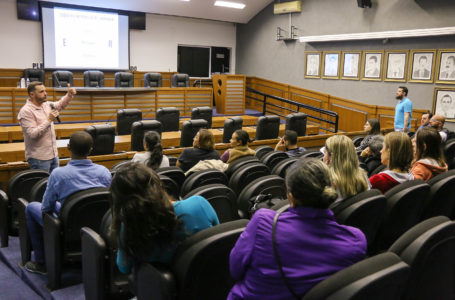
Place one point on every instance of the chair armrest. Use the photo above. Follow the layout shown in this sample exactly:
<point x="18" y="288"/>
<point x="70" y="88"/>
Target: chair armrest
<point x="4" y="215"/>
<point x="24" y="237"/>
<point x="53" y="251"/>
<point x="93" y="264"/>
<point x="153" y="282"/>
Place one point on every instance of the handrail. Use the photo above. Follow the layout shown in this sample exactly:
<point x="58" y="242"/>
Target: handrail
<point x="203" y="82"/>
<point x="299" y="105"/>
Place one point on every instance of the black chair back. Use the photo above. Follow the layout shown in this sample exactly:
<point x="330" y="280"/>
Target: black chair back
<point x="271" y="159"/>
<point x="180" y="80"/>
<point x="103" y="138"/>
<point x="204" y="112"/>
<point x="152" y="80"/>
<point x="378" y="170"/>
<point x="175" y="173"/>
<point x="139" y="128"/>
<point x="34" y="75"/>
<point x="124" y="79"/>
<point x="268" y="127"/>
<point x="357" y="140"/>
<point x="263" y="150"/>
<point x="62" y="78"/>
<point x="125" y="119"/>
<point x="441" y="198"/>
<point x="189" y="130"/>
<point x="230" y="126"/>
<point x="246" y="174"/>
<point x="170" y="186"/>
<point x="169" y="118"/>
<point x="297" y="122"/>
<point x="239" y="163"/>
<point x="93" y="79"/>
<point x="281" y="167"/>
<point x="312" y="153"/>
<point x="201" y="178"/>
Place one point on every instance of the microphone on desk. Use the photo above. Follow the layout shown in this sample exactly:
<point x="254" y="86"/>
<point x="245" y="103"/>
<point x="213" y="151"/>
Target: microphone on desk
<point x="53" y="107"/>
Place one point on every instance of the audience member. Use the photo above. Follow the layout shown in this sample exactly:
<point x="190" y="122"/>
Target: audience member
<point x="348" y="178"/>
<point x="397" y="154"/>
<point x="239" y="144"/>
<point x="372" y="128"/>
<point x="79" y="174"/>
<point x="371" y="156"/>
<point x="154" y="157"/>
<point x="288" y="143"/>
<point x="147" y="224"/>
<point x="311" y="245"/>
<point x="437" y="122"/>
<point x="425" y="120"/>
<point x="203" y="148"/>
<point x="429" y="159"/>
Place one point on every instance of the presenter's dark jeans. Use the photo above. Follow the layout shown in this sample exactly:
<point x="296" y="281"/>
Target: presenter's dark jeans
<point x="46" y="165"/>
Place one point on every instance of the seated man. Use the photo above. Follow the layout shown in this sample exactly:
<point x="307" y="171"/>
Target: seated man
<point x="288" y="143"/>
<point x="79" y="174"/>
<point x="437" y="121"/>
<point x="425" y="121"/>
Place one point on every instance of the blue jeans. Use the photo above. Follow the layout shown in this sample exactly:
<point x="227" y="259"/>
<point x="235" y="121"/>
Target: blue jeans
<point x="46" y="165"/>
<point x="34" y="217"/>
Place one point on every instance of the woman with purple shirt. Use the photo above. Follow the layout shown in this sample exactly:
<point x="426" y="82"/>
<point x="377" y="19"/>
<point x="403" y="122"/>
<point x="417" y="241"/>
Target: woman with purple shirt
<point x="311" y="245"/>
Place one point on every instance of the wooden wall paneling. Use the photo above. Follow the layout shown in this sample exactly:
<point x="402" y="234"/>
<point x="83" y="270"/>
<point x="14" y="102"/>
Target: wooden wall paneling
<point x="351" y="115"/>
<point x="10" y="77"/>
<point x="20" y="97"/>
<point x="235" y="94"/>
<point x="171" y="97"/>
<point x="197" y="97"/>
<point x="146" y="102"/>
<point x="6" y="106"/>
<point x="105" y="105"/>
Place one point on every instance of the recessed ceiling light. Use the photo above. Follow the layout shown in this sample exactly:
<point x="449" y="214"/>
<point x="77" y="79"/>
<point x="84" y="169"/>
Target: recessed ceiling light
<point x="230" y="4"/>
<point x="185" y="0"/>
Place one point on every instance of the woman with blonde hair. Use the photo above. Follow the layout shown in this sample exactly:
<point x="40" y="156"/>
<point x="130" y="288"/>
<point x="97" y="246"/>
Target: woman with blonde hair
<point x="341" y="157"/>
<point x="397" y="154"/>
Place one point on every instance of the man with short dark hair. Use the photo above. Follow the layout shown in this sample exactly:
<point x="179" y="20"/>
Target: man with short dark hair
<point x="403" y="110"/>
<point x="422" y="71"/>
<point x="288" y="143"/>
<point x="425" y="120"/>
<point x="79" y="174"/>
<point x="37" y="118"/>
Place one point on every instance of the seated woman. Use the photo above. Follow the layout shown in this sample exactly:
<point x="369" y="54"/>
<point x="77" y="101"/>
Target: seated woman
<point x="429" y="159"/>
<point x="154" y="157"/>
<point x="203" y="148"/>
<point x="397" y="154"/>
<point x="348" y="178"/>
<point x="311" y="244"/>
<point x="371" y="156"/>
<point x="372" y="128"/>
<point x="146" y="223"/>
<point x="239" y="144"/>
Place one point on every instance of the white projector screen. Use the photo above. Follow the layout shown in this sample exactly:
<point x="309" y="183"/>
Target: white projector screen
<point x="82" y="39"/>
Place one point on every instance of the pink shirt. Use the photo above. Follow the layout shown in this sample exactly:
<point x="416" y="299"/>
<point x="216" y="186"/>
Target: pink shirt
<point x="39" y="134"/>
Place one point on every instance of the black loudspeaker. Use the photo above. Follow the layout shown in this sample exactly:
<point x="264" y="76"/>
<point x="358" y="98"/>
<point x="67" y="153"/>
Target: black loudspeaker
<point x="27" y="10"/>
<point x="136" y="20"/>
<point x="364" y="3"/>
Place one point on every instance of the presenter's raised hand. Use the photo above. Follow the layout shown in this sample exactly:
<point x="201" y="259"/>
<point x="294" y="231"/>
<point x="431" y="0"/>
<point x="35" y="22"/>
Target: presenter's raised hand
<point x="71" y="91"/>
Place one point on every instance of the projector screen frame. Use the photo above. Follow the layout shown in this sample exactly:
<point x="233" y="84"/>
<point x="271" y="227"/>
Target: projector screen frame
<point x="81" y="7"/>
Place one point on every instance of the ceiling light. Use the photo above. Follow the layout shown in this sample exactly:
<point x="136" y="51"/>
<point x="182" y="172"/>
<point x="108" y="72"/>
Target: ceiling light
<point x="185" y="0"/>
<point x="230" y="4"/>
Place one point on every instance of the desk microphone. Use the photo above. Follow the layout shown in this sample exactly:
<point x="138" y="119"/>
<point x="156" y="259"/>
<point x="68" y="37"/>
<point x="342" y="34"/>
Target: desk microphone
<point x="53" y="107"/>
<point x="111" y="118"/>
<point x="58" y="81"/>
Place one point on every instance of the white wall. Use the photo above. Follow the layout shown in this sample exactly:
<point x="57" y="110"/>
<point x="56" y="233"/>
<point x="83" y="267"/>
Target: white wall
<point x="153" y="49"/>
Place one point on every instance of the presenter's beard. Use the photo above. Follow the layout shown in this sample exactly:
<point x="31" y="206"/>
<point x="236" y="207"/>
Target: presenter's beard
<point x="399" y="97"/>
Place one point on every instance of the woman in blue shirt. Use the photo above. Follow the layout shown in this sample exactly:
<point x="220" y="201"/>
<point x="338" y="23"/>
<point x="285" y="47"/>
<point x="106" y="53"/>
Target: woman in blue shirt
<point x="147" y="224"/>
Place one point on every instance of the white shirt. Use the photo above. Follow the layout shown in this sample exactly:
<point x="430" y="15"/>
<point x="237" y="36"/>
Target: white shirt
<point x="145" y="156"/>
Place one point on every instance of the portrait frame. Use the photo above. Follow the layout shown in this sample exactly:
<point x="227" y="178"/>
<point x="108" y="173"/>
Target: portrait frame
<point x="415" y="57"/>
<point x="351" y="63"/>
<point x="313" y="54"/>
<point x="440" y="94"/>
<point x="396" y="61"/>
<point x="369" y="72"/>
<point x="443" y="55"/>
<point x="330" y="61"/>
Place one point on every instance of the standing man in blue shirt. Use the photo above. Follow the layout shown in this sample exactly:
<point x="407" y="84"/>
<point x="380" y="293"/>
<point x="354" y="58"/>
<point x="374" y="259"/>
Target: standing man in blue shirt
<point x="403" y="110"/>
<point x="79" y="174"/>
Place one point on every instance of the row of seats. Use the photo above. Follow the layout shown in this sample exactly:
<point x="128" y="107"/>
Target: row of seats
<point x="95" y="78"/>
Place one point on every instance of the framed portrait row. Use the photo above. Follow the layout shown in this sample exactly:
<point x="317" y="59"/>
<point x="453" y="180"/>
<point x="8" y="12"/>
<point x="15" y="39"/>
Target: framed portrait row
<point x="444" y="103"/>
<point x="422" y="65"/>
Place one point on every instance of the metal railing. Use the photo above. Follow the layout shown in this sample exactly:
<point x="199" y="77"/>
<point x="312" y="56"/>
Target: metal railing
<point x="322" y="112"/>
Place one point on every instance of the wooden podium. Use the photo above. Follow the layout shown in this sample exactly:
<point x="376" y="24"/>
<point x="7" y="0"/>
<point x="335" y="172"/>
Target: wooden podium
<point x="229" y="93"/>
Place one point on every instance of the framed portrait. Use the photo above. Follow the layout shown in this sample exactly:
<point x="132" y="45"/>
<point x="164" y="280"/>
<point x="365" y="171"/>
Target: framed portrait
<point x="396" y="62"/>
<point x="444" y="103"/>
<point x="350" y="60"/>
<point x="446" y="66"/>
<point x="312" y="64"/>
<point x="422" y="66"/>
<point x="372" y="65"/>
<point x="331" y="64"/>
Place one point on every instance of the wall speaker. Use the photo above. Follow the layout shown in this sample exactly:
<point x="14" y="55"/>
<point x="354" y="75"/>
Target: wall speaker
<point x="136" y="20"/>
<point x="364" y="3"/>
<point x="27" y="10"/>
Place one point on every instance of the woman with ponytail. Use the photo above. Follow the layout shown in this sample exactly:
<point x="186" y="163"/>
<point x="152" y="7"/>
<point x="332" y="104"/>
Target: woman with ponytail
<point x="308" y="241"/>
<point x="146" y="223"/>
<point x="154" y="157"/>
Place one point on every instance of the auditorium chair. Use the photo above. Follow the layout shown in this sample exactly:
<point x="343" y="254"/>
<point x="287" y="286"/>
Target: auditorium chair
<point x="152" y="80"/>
<point x="281" y="167"/>
<point x="125" y="118"/>
<point x="263" y="150"/>
<point x="175" y="173"/>
<point x="379" y="169"/>
<point x="139" y="128"/>
<point x="230" y="126"/>
<point x="93" y="79"/>
<point x="103" y="138"/>
<point x="297" y="122"/>
<point x="357" y="140"/>
<point x="61" y="78"/>
<point x="270" y="184"/>
<point x="189" y="130"/>
<point x="268" y="127"/>
<point x="62" y="239"/>
<point x="364" y="211"/>
<point x="222" y="198"/>
<point x="180" y="80"/>
<point x="271" y="159"/>
<point x="124" y="79"/>
<point x="312" y="153"/>
<point x="117" y="166"/>
<point x="204" y="112"/>
<point x="36" y="195"/>
<point x="19" y="186"/>
<point x="172" y="160"/>
<point x="428" y="249"/>
<point x="200" y="266"/>
<point x="380" y="277"/>
<point x="201" y="178"/>
<point x="170" y="186"/>
<point x="34" y="75"/>
<point x="169" y="118"/>
<point x="239" y="163"/>
<point x="441" y="198"/>
<point x="246" y="174"/>
<point x="404" y="209"/>
<point x="449" y="153"/>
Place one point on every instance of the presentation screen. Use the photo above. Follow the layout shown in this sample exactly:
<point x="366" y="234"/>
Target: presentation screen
<point x="76" y="38"/>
